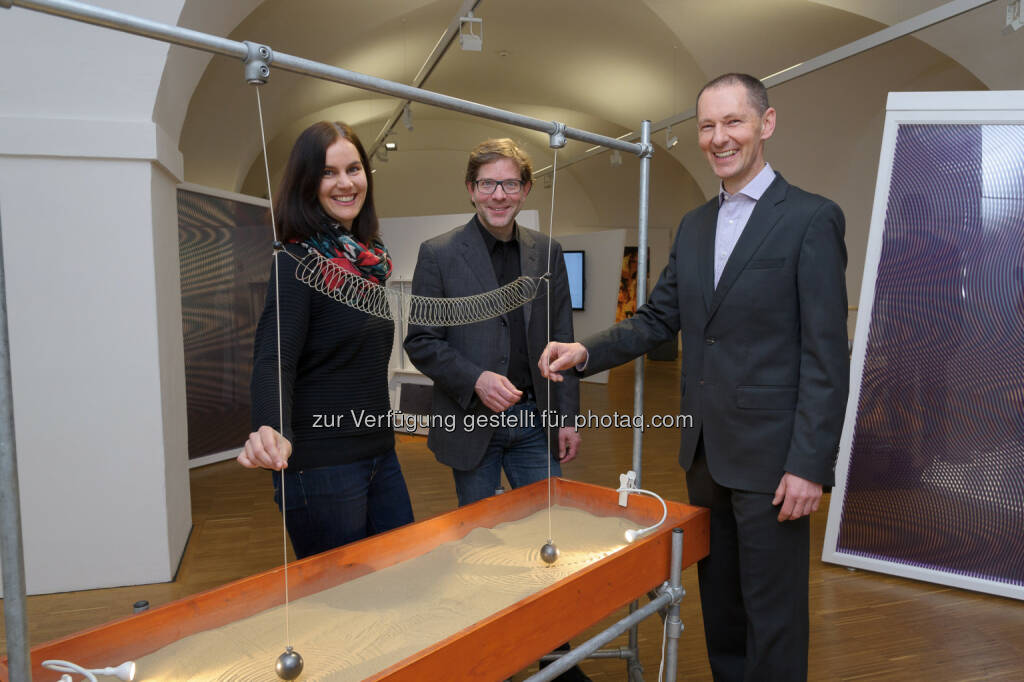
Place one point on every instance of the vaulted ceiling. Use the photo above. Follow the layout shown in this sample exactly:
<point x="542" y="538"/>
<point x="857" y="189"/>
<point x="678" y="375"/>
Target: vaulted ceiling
<point x="601" y="65"/>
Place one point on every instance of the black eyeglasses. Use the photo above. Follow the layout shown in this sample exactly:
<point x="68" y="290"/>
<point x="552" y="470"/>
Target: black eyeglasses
<point x="488" y="186"/>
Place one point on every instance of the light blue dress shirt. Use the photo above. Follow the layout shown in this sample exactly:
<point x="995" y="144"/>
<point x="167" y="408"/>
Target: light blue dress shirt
<point x="733" y="213"/>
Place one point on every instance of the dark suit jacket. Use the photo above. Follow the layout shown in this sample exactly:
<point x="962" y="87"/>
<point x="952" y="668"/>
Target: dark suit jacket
<point x="765" y="368"/>
<point x="457" y="264"/>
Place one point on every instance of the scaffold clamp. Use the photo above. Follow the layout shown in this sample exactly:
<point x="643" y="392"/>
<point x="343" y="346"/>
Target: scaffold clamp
<point x="257" y="62"/>
<point x="558" y="136"/>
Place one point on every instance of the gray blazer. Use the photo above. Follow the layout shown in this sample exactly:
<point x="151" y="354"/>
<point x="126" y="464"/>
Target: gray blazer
<point x="765" y="365"/>
<point x="457" y="264"/>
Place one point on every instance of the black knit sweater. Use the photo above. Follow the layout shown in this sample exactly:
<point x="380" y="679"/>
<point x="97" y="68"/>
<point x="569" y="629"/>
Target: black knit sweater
<point x="334" y="369"/>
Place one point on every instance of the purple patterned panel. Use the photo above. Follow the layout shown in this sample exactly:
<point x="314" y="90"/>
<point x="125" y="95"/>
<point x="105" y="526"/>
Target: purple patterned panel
<point x="936" y="471"/>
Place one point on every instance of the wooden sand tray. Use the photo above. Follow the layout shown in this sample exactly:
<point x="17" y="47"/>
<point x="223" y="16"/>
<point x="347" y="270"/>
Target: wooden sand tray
<point x="494" y="648"/>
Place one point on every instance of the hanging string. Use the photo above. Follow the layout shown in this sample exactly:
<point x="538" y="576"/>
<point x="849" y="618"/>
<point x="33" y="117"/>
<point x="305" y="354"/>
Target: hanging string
<point x="328" y="278"/>
<point x="280" y="389"/>
<point x="550" y="410"/>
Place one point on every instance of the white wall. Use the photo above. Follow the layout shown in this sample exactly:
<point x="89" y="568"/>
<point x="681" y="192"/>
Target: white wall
<point x="404" y="235"/>
<point x="602" y="270"/>
<point x="94" y="310"/>
<point x="99" y="419"/>
<point x="659" y="243"/>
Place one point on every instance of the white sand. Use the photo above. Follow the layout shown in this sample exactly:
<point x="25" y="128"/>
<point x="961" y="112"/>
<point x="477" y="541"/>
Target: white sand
<point x="360" y="627"/>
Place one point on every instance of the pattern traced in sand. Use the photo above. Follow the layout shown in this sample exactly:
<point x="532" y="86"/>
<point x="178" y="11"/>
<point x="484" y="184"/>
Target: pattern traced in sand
<point x="355" y="629"/>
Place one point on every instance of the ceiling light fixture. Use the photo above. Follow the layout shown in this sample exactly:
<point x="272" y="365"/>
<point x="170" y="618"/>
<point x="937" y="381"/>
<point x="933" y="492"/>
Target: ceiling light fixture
<point x="470" y="40"/>
<point x="670" y="139"/>
<point x="1014" y="20"/>
<point x="391" y="146"/>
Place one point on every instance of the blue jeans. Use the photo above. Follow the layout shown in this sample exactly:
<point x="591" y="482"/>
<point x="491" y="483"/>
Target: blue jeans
<point x="327" y="507"/>
<point x="522" y="451"/>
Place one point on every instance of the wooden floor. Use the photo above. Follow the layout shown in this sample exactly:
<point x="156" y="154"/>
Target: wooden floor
<point x="864" y="626"/>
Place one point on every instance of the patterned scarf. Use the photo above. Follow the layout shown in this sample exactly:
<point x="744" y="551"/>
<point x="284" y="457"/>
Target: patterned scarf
<point x="341" y="248"/>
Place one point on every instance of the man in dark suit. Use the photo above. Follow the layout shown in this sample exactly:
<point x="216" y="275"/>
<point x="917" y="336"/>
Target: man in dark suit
<point x="756" y="284"/>
<point x="488" y="370"/>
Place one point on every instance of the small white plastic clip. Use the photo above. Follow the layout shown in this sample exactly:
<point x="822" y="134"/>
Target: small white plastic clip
<point x="626" y="481"/>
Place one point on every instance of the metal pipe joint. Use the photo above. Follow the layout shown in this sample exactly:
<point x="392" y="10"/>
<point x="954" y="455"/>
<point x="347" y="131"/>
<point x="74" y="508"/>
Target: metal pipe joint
<point x="257" y="62"/>
<point x="558" y="136"/>
<point x="675" y="593"/>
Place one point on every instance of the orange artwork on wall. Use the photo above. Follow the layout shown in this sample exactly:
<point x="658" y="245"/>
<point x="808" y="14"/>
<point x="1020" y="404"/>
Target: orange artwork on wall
<point x="626" y="306"/>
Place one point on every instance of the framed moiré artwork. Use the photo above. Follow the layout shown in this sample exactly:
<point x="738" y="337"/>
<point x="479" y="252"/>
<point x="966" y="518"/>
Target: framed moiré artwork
<point x="225" y="245"/>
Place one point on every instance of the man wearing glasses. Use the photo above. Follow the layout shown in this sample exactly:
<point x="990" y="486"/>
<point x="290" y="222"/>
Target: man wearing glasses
<point x="486" y="374"/>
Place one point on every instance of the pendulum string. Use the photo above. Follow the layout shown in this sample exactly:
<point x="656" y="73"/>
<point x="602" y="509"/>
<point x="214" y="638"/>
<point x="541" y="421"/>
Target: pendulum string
<point x="550" y="410"/>
<point x="280" y="389"/>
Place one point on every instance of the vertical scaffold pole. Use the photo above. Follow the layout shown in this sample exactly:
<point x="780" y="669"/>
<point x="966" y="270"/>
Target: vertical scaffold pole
<point x="18" y="662"/>
<point x="641" y="293"/>
<point x="674" y="626"/>
<point x="635" y="669"/>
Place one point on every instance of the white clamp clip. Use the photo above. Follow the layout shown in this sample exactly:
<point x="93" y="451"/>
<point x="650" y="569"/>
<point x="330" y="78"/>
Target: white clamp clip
<point x="626" y="481"/>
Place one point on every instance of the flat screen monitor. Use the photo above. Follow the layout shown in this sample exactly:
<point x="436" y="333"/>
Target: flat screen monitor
<point x="574" y="266"/>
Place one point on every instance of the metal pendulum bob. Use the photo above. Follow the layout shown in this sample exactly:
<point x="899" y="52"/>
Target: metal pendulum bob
<point x="549" y="553"/>
<point x="289" y="664"/>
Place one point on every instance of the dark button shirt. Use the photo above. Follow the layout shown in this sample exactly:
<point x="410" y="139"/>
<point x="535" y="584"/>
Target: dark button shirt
<point x="505" y="261"/>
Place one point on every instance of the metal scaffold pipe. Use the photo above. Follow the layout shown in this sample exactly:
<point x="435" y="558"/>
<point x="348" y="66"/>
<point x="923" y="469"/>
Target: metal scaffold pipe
<point x="202" y="41"/>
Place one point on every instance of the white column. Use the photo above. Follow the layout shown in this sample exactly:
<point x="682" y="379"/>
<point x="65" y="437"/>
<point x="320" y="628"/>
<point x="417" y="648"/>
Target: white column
<point x="88" y="207"/>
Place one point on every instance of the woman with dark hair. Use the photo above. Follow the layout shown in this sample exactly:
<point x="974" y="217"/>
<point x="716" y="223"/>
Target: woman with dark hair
<point x="342" y="479"/>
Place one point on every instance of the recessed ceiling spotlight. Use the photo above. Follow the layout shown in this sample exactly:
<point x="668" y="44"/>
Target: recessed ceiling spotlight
<point x="391" y="146"/>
